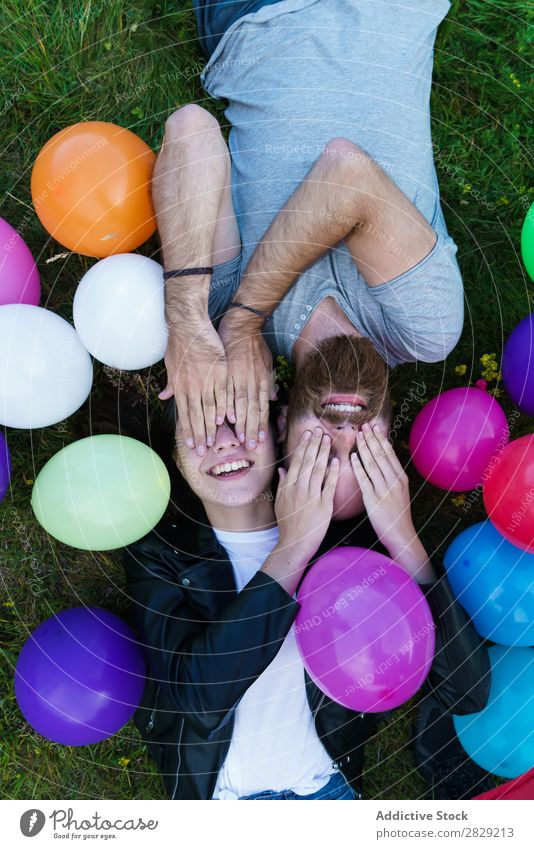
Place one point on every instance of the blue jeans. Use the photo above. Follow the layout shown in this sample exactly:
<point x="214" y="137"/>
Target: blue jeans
<point x="215" y="16"/>
<point x="336" y="788"/>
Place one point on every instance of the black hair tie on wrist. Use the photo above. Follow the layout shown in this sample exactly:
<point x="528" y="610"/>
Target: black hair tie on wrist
<point x="186" y="272"/>
<point x="261" y="314"/>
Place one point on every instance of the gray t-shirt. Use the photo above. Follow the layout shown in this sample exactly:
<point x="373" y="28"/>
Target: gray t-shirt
<point x="301" y="72"/>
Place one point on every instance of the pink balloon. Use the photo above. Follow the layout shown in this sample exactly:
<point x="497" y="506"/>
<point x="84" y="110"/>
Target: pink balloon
<point x="455" y="437"/>
<point x="364" y="630"/>
<point x="19" y="278"/>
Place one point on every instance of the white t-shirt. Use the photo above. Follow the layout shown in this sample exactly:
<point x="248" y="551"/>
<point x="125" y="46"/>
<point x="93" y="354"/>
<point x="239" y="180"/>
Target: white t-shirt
<point x="274" y="744"/>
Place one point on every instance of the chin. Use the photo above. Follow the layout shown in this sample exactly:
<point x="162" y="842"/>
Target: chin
<point x="348" y="508"/>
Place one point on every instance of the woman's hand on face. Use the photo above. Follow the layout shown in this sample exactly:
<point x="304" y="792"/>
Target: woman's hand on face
<point x="305" y="496"/>
<point x="386" y="496"/>
<point x="384" y="484"/>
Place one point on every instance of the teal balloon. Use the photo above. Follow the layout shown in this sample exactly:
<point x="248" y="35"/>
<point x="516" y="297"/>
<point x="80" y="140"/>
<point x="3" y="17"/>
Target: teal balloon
<point x="500" y="738"/>
<point x="102" y="492"/>
<point x="494" y="581"/>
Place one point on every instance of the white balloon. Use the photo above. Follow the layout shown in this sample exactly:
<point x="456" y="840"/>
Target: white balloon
<point x="45" y="372"/>
<point x="119" y="311"/>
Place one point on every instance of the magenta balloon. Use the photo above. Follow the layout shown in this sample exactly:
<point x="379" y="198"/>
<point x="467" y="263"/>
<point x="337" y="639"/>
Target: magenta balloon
<point x="80" y="676"/>
<point x="19" y="278"/>
<point x="5" y="467"/>
<point x="455" y="436"/>
<point x="364" y="630"/>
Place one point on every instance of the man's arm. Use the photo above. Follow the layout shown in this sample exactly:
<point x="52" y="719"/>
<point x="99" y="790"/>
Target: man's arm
<point x="345" y="195"/>
<point x="197" y="227"/>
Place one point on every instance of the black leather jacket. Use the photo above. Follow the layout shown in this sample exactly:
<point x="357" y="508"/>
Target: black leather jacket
<point x="205" y="644"/>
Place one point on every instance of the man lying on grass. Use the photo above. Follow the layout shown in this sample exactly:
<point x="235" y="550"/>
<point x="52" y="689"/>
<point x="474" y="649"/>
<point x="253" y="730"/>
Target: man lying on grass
<point x="320" y="236"/>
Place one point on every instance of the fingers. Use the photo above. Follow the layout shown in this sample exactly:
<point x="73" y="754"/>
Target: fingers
<point x="296" y="459"/>
<point x="253" y="413"/>
<point x="208" y="403"/>
<point x="196" y="415"/>
<point x="330" y="482"/>
<point x="320" y="465"/>
<point x="392" y="466"/>
<point x="182" y="408"/>
<point x="370" y="452"/>
<point x="166" y="393"/>
<point x="362" y="477"/>
<point x="311" y="458"/>
<point x="263" y="422"/>
<point x="240" y="407"/>
<point x="220" y="398"/>
<point x="230" y="406"/>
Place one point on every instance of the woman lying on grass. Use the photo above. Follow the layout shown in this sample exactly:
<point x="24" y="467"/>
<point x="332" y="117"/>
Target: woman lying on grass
<point x="229" y="711"/>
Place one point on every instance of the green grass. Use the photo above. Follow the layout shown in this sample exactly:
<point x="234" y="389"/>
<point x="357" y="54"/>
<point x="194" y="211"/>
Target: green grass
<point x="133" y="63"/>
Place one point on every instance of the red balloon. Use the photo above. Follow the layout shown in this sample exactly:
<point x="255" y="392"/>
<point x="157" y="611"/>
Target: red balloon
<point x="509" y="493"/>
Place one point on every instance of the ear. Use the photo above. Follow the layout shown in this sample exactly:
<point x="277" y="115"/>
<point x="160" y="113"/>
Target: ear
<point x="281" y="425"/>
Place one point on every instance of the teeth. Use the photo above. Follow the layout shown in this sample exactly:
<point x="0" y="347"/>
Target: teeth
<point x="230" y="467"/>
<point x="344" y="408"/>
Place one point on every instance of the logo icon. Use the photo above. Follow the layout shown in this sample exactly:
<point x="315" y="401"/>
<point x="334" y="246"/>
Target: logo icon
<point x="32" y="822"/>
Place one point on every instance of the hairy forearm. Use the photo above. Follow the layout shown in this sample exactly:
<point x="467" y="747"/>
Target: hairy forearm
<point x="324" y="208"/>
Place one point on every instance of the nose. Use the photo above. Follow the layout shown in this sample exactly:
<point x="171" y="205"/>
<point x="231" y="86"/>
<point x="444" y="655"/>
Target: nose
<point x="343" y="436"/>
<point x="225" y="438"/>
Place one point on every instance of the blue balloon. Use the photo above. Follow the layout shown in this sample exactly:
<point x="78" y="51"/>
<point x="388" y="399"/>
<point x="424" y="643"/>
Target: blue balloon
<point x="494" y="581"/>
<point x="500" y="738"/>
<point x="5" y="466"/>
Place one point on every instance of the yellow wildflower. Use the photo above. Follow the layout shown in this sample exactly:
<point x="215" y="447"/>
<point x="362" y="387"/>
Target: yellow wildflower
<point x="461" y="370"/>
<point x="124" y="761"/>
<point x="458" y="500"/>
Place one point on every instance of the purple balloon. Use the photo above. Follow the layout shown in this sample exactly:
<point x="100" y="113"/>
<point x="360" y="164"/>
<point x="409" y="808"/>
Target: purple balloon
<point x="80" y="676"/>
<point x="19" y="278"/>
<point x="455" y="437"/>
<point x="364" y="630"/>
<point x="518" y="365"/>
<point x="5" y="467"/>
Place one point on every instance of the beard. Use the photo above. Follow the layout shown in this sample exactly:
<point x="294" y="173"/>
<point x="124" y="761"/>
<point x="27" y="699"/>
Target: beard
<point x="344" y="365"/>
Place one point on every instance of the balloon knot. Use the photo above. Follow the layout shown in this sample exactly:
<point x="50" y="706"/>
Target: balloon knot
<point x="482" y="384"/>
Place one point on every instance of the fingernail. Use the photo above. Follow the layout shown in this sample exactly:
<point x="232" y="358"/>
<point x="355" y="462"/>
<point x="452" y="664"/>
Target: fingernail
<point x="241" y="437"/>
<point x="326" y="437"/>
<point x="261" y="435"/>
<point x="366" y="427"/>
<point x="190" y="443"/>
<point x="219" y="420"/>
<point x="317" y="431"/>
<point x="209" y="440"/>
<point x="334" y="461"/>
<point x="201" y="449"/>
<point x="252" y="443"/>
<point x="359" y="435"/>
<point x="306" y="434"/>
<point x="377" y="429"/>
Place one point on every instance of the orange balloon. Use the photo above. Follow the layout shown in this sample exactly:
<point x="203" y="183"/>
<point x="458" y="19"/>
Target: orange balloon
<point x="91" y="189"/>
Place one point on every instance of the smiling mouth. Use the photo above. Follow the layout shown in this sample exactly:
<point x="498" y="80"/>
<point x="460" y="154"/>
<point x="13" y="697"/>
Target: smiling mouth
<point x="231" y="469"/>
<point x="344" y="404"/>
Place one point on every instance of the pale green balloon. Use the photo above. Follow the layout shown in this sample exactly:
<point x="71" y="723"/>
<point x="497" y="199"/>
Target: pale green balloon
<point x="101" y="492"/>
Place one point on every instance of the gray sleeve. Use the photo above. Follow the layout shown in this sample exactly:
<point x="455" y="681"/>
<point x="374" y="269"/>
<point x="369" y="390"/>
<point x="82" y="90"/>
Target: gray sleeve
<point x="422" y="310"/>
